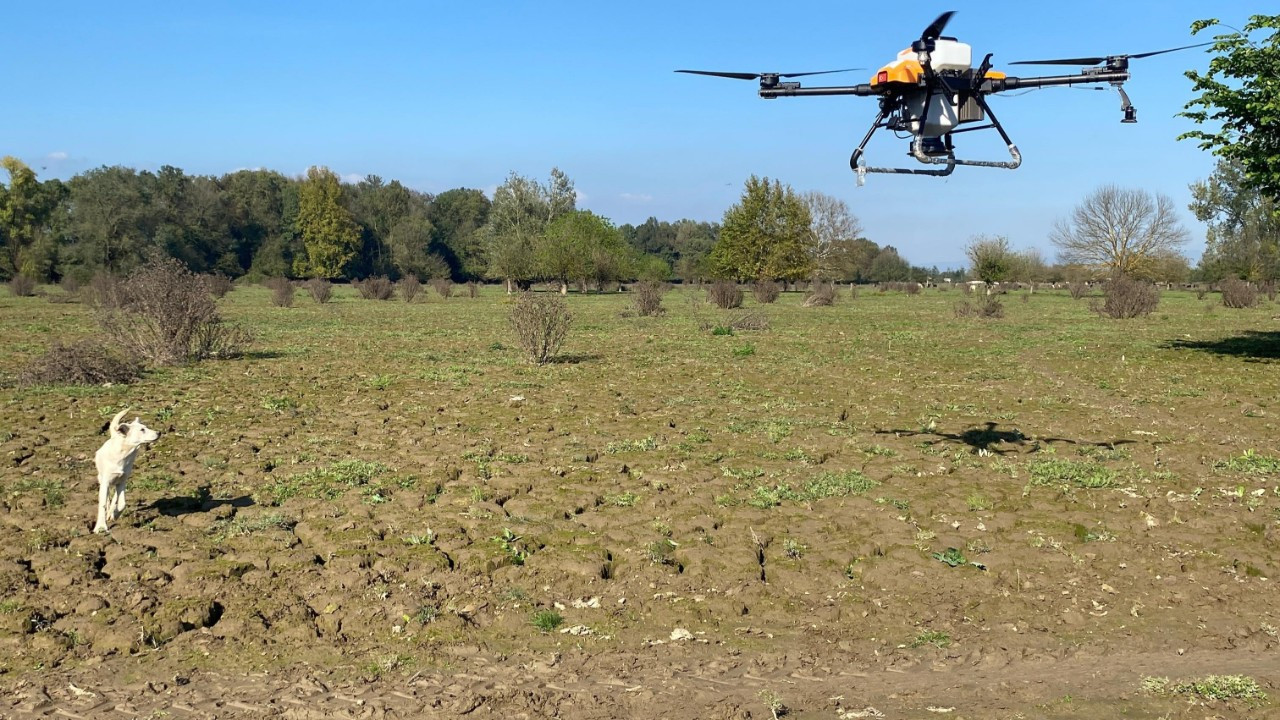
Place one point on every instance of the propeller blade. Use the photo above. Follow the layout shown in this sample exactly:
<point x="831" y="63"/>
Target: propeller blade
<point x="1102" y="59"/>
<point x="734" y="75"/>
<point x="934" y="31"/>
<point x="757" y="76"/>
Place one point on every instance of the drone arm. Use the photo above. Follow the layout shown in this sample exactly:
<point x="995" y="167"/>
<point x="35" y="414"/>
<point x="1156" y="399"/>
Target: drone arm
<point x="794" y="90"/>
<point x="1015" y="83"/>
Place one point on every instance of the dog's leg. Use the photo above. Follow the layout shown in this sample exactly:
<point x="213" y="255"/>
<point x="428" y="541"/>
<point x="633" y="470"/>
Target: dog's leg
<point x="120" y="503"/>
<point x="104" y="489"/>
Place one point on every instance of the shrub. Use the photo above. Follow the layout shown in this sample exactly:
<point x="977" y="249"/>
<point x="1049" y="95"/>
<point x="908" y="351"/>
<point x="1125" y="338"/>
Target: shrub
<point x="164" y="315"/>
<point x="104" y="290"/>
<point x="647" y="298"/>
<point x="281" y="291"/>
<point x="986" y="307"/>
<point x="1269" y="288"/>
<point x="725" y="294"/>
<point x="750" y="321"/>
<point x="473" y="289"/>
<point x="218" y="285"/>
<point x="1237" y="293"/>
<point x="70" y="284"/>
<point x="1125" y="297"/>
<point x="765" y="291"/>
<point x="443" y="286"/>
<point x="409" y="287"/>
<point x="541" y="323"/>
<point x="321" y="290"/>
<point x="84" y="362"/>
<point x="22" y="286"/>
<point x="1077" y="290"/>
<point x="375" y="288"/>
<point x="823" y="295"/>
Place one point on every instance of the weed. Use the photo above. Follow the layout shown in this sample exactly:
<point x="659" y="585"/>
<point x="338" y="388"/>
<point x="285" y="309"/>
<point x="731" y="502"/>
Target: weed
<point x="427" y="538"/>
<point x="509" y="543"/>
<point x="722" y="330"/>
<point x="931" y="637"/>
<point x="793" y="549"/>
<point x="624" y="499"/>
<point x="547" y="620"/>
<point x="1083" y="474"/>
<point x="1251" y="463"/>
<point x="380" y="382"/>
<point x="278" y="404"/>
<point x="879" y="451"/>
<point x="661" y="552"/>
<point x="1212" y="687"/>
<point x="774" y="703"/>
<point x="952" y="557"/>
<point x="622" y="446"/>
<point x="977" y="501"/>
<point x="744" y="351"/>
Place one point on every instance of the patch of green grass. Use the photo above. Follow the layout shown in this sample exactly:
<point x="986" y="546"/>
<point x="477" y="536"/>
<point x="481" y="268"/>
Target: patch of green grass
<point x="1078" y="473"/>
<point x="931" y="637"/>
<point x="722" y="330"/>
<point x="509" y="543"/>
<point x="321" y="483"/>
<point x="1103" y="453"/>
<point x="1212" y="687"/>
<point x="1250" y="463"/>
<point x="53" y="491"/>
<point x="380" y="382"/>
<point x="661" y="552"/>
<point x="977" y="501"/>
<point x="547" y="620"/>
<point x="278" y="404"/>
<point x="240" y="526"/>
<point x="879" y="451"/>
<point x="642" y="445"/>
<point x="744" y="351"/>
<point x="826" y="485"/>
<point x="623" y="499"/>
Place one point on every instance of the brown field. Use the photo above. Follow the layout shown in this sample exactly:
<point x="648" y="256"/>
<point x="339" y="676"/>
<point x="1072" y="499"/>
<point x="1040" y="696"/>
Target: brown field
<point x="868" y="510"/>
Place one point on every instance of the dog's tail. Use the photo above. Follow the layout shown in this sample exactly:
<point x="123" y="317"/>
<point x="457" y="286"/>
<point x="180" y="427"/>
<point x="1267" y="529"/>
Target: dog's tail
<point x="115" y="421"/>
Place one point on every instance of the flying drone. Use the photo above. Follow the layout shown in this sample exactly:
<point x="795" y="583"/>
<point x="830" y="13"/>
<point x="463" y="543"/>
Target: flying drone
<point x="933" y="92"/>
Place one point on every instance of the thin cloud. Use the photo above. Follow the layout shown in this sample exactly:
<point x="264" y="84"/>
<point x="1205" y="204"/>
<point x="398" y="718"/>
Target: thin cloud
<point x="637" y="197"/>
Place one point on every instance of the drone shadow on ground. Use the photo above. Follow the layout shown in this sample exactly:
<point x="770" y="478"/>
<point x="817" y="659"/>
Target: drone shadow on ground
<point x="201" y="501"/>
<point x="1253" y="345"/>
<point x="997" y="442"/>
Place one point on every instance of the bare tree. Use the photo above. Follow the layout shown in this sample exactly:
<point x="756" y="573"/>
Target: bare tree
<point x="1119" y="230"/>
<point x="832" y="226"/>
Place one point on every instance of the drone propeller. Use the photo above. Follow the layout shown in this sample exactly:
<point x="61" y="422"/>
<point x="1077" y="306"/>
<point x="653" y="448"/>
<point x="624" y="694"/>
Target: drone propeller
<point x="934" y="31"/>
<point x="1106" y="59"/>
<point x="757" y="76"/>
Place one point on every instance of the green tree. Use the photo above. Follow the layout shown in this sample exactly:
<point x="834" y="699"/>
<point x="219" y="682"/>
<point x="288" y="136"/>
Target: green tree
<point x="766" y="235"/>
<point x="110" y="224"/>
<point x="888" y="266"/>
<point x="1241" y="94"/>
<point x="521" y="211"/>
<point x="456" y="218"/>
<point x="26" y="208"/>
<point x="329" y="233"/>
<point x="1243" y="238"/>
<point x="990" y="258"/>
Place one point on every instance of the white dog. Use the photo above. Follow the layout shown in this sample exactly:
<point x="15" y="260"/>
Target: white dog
<point x="115" y="461"/>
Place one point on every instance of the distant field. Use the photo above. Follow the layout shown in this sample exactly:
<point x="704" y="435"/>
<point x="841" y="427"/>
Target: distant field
<point x="876" y="502"/>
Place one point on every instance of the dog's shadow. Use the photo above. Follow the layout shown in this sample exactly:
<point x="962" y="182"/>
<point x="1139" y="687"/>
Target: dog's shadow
<point x="201" y="501"/>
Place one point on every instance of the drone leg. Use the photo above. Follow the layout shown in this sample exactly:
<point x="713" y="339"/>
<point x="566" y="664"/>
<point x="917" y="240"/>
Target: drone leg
<point x="1013" y="149"/>
<point x="857" y="153"/>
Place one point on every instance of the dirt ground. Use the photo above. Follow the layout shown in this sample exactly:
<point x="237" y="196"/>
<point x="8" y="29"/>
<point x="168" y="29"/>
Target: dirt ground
<point x="870" y="510"/>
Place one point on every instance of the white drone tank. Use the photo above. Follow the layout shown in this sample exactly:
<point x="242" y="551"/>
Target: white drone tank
<point x="943" y="110"/>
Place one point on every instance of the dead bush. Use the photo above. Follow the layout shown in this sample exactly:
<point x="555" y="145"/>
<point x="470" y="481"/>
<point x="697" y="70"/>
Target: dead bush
<point x="1269" y="289"/>
<point x="319" y="289"/>
<point x="750" y="321"/>
<point x="219" y="285"/>
<point x="983" y="307"/>
<point x="22" y="286"/>
<point x="70" y="284"/>
<point x="541" y="323"/>
<point x="473" y="289"/>
<point x="281" y="291"/>
<point x="646" y="296"/>
<point x="765" y="291"/>
<point x="725" y="294"/>
<point x="409" y="287"/>
<point x="104" y="290"/>
<point x="1125" y="298"/>
<point x="1077" y="290"/>
<point x="823" y="295"/>
<point x="443" y="287"/>
<point x="375" y="288"/>
<point x="1201" y="292"/>
<point x="164" y="315"/>
<point x="84" y="362"/>
<point x="1237" y="293"/>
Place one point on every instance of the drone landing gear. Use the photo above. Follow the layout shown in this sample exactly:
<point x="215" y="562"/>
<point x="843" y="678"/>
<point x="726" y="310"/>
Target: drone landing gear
<point x="935" y="151"/>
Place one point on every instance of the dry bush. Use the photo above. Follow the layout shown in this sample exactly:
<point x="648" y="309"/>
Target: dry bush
<point x="84" y="362"/>
<point x="409" y="287"/>
<point x="22" y="286"/>
<point x="473" y="289"/>
<point x="219" y="285"/>
<point x="375" y="288"/>
<point x="968" y="289"/>
<point x="646" y="296"/>
<point x="443" y="287"/>
<point x="1077" y="290"/>
<point x="541" y="323"/>
<point x="725" y="294"/>
<point x="985" y="307"/>
<point x="823" y="295"/>
<point x="1269" y="289"/>
<point x="1237" y="293"/>
<point x="321" y="290"/>
<point x="281" y="291"/>
<point x="164" y="316"/>
<point x="765" y="291"/>
<point x="751" y="321"/>
<point x="104" y="290"/>
<point x="1201" y="292"/>
<point x="70" y="284"/>
<point x="1125" y="298"/>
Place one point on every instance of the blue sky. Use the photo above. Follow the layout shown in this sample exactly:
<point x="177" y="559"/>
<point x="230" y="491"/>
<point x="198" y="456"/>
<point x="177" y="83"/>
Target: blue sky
<point x="460" y="94"/>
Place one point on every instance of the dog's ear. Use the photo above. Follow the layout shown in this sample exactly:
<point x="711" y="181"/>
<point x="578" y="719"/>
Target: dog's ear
<point x="115" y="421"/>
